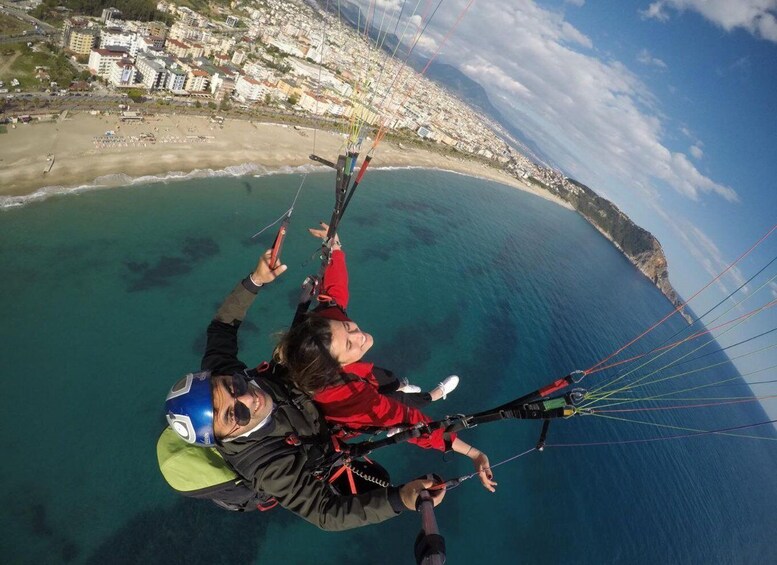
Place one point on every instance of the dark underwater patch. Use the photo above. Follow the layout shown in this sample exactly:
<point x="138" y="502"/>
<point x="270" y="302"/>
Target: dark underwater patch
<point x="418" y="206"/>
<point x="424" y="235"/>
<point x="158" y="274"/>
<point x="39" y="521"/>
<point x="198" y="248"/>
<point x="505" y="260"/>
<point x="495" y="350"/>
<point x="37" y="518"/>
<point x="191" y="531"/>
<point x="365" y="221"/>
<point x="69" y="552"/>
<point x="376" y="253"/>
<point x="161" y="273"/>
<point x="411" y="346"/>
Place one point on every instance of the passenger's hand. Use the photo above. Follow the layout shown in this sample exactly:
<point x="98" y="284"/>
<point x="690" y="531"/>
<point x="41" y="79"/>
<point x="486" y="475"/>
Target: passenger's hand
<point x="264" y="274"/>
<point x="483" y="469"/>
<point x="409" y="492"/>
<point x="322" y="232"/>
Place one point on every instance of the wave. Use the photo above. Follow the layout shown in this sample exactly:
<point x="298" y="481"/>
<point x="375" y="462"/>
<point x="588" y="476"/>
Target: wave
<point x="122" y="180"/>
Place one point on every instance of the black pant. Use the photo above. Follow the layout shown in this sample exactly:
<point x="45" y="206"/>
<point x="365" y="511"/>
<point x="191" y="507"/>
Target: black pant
<point x="388" y="384"/>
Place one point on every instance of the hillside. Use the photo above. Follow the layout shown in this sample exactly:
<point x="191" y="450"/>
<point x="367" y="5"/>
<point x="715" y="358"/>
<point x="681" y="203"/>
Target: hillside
<point x="636" y="243"/>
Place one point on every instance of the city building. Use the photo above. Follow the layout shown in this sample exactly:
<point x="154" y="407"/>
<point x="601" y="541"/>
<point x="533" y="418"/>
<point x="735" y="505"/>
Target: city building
<point x="249" y="89"/>
<point x="177" y="48"/>
<point x="221" y="86"/>
<point x="113" y="38"/>
<point x="110" y="14"/>
<point x="150" y="43"/>
<point x="197" y="81"/>
<point x="81" y="41"/>
<point x="101" y="60"/>
<point x="176" y="79"/>
<point x="238" y="57"/>
<point x="122" y="74"/>
<point x="152" y="72"/>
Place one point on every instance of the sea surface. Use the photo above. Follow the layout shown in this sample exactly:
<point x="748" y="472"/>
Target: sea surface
<point x="106" y="295"/>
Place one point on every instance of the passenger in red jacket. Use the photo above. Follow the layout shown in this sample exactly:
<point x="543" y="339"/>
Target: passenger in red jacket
<point x="324" y="357"/>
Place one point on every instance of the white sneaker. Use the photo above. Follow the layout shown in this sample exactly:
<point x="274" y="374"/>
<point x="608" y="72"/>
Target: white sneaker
<point x="409" y="388"/>
<point x="393" y="431"/>
<point x="448" y="385"/>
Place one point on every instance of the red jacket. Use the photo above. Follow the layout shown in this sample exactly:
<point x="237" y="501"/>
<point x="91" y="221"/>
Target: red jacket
<point x="356" y="402"/>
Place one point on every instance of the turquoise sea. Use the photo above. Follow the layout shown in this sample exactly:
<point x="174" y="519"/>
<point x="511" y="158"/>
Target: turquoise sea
<point x="106" y="296"/>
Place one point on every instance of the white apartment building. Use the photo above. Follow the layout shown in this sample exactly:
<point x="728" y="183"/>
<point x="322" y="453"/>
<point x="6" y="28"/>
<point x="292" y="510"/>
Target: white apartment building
<point x="197" y="81"/>
<point x="238" y="57"/>
<point x="257" y="70"/>
<point x="183" y="32"/>
<point x="123" y="74"/>
<point x="176" y="79"/>
<point x="177" y="48"/>
<point x="112" y="38"/>
<point x="148" y="43"/>
<point x="249" y="88"/>
<point x="152" y="73"/>
<point x="196" y="50"/>
<point x="101" y="61"/>
<point x="318" y="105"/>
<point x="221" y="87"/>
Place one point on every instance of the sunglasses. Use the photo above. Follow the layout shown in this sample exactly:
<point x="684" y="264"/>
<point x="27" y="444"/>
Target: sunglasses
<point x="238" y="386"/>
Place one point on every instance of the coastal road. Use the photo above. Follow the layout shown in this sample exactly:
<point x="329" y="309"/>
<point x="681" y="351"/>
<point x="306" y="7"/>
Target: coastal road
<point x="21" y="14"/>
<point x="29" y="38"/>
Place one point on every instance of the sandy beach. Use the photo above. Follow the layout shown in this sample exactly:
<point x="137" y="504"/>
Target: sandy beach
<point x="77" y="149"/>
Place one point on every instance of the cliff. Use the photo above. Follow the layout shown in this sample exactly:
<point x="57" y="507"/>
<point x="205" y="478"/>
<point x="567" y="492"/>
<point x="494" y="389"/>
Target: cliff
<point x="636" y="243"/>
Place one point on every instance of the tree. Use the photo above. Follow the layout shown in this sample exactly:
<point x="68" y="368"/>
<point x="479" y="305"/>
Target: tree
<point x="136" y="95"/>
<point x="293" y="100"/>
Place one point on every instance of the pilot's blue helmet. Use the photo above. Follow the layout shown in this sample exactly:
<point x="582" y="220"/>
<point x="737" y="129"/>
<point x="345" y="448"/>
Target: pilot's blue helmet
<point x="189" y="409"/>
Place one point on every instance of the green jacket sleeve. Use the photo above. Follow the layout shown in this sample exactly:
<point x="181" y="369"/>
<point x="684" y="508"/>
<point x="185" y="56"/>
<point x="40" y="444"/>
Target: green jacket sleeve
<point x="221" y="347"/>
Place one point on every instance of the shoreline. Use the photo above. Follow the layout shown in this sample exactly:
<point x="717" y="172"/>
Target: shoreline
<point x="77" y="154"/>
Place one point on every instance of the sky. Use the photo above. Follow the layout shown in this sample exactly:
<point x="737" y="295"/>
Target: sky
<point x="668" y="108"/>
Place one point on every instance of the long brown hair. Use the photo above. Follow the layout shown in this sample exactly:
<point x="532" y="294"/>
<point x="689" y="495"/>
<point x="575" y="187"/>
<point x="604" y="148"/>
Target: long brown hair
<point x="304" y="350"/>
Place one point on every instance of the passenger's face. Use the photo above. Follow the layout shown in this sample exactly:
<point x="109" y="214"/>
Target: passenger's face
<point x="227" y="412"/>
<point x="349" y="343"/>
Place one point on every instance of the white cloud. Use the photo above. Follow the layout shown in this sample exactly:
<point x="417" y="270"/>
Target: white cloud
<point x="495" y="76"/>
<point x="741" y="66"/>
<point x="416" y="21"/>
<point x="754" y="16"/>
<point x="592" y="114"/>
<point x="646" y="58"/>
<point x="707" y="254"/>
<point x="596" y="115"/>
